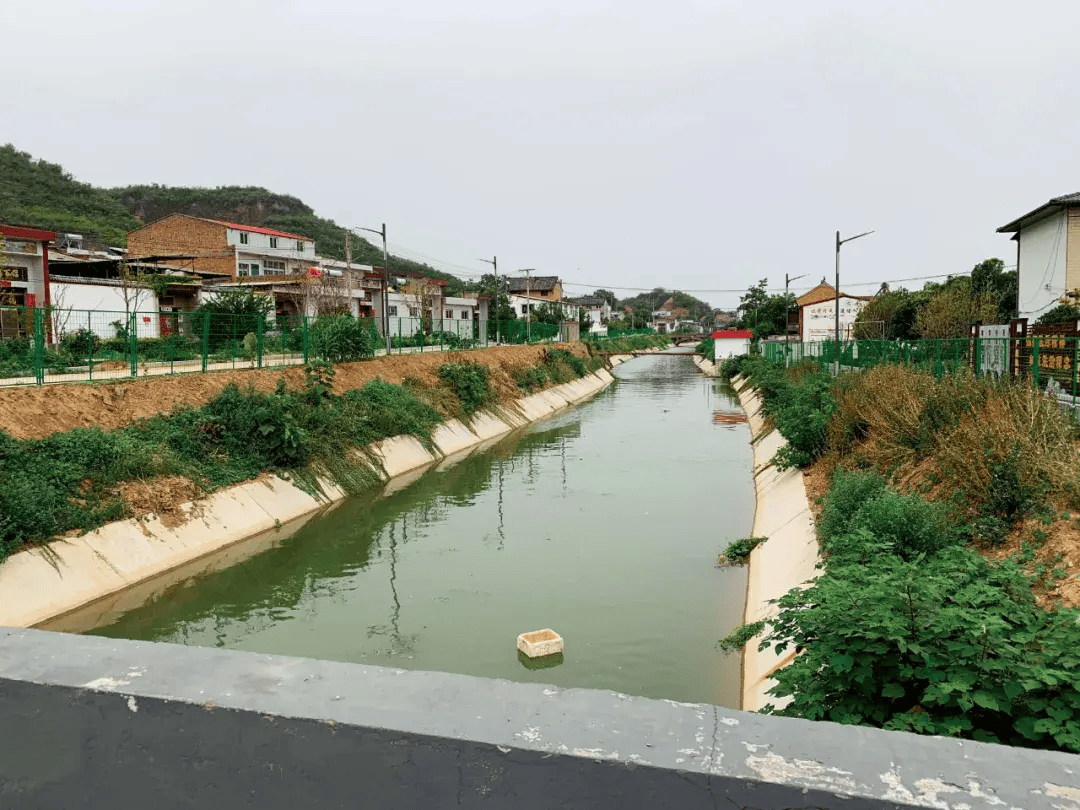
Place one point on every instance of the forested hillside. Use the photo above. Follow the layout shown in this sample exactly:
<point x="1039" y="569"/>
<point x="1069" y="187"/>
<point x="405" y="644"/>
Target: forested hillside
<point x="42" y="195"/>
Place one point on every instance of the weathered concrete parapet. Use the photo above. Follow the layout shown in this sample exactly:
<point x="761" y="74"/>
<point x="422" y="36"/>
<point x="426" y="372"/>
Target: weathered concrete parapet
<point x="96" y="722"/>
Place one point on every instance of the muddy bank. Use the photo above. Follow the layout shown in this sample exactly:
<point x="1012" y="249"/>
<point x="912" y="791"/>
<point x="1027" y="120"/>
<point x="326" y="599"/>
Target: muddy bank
<point x="36" y="412"/>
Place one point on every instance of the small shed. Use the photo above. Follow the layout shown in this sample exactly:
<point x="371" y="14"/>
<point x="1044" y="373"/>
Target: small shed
<point x="730" y="343"/>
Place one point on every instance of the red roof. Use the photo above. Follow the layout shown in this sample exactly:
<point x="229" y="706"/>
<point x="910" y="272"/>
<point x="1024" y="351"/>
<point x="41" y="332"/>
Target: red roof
<point x="256" y="229"/>
<point x="728" y="334"/>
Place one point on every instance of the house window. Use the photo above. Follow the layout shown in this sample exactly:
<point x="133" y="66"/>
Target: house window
<point x="414" y="312"/>
<point x="271" y="264"/>
<point x="449" y="314"/>
<point x="273" y="241"/>
<point x="242" y="269"/>
<point x="299" y="245"/>
<point x="254" y="269"/>
<point x="464" y="314"/>
<point x="392" y="310"/>
<point x="243" y="238"/>
<point x="524" y="309"/>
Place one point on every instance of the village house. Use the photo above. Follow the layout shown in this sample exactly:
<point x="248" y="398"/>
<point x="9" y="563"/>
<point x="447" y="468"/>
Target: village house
<point x="545" y="288"/>
<point x="731" y="343"/>
<point x="668" y="318"/>
<point x="24" y="266"/>
<point x="599" y="311"/>
<point x="817" y="313"/>
<point x="1047" y="253"/>
<point x="223" y="248"/>
<point x="524" y="306"/>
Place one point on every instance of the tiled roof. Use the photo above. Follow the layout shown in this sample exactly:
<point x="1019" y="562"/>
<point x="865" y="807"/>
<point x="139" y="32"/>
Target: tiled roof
<point x="535" y="284"/>
<point x="1043" y="211"/>
<point x="825" y="292"/>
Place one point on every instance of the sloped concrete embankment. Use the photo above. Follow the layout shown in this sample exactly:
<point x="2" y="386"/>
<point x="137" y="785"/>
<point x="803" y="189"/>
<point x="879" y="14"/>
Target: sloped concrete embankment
<point x="786" y="560"/>
<point x="706" y="366"/>
<point x="42" y="583"/>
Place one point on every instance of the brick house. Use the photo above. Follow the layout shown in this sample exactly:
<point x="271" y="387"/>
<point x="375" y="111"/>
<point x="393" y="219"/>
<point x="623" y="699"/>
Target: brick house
<point x="546" y="288"/>
<point x="224" y="248"/>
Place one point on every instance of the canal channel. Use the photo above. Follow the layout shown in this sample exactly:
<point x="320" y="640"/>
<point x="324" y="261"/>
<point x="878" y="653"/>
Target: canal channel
<point x="602" y="523"/>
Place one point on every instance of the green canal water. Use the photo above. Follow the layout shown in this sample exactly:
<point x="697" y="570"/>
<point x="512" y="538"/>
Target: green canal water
<point x="602" y="523"/>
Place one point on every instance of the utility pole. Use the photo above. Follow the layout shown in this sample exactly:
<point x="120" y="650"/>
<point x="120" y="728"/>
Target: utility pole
<point x="528" y="303"/>
<point x="839" y="242"/>
<point x="494" y="262"/>
<point x="385" y="285"/>
<point x="787" y="281"/>
<point x="348" y="247"/>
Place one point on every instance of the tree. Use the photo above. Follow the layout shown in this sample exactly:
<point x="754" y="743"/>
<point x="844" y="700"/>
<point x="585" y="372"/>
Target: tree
<point x="989" y="277"/>
<point x="891" y="315"/>
<point x="550" y="312"/>
<point x="764" y="314"/>
<point x="953" y="308"/>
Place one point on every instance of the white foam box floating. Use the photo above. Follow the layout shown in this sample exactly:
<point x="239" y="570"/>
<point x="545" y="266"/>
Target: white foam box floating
<point x="540" y="643"/>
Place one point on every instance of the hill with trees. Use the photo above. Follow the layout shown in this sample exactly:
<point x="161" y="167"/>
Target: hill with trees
<point x="40" y="194"/>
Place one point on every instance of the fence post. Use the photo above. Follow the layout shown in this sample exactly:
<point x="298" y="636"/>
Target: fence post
<point x="939" y="372"/>
<point x="400" y="345"/>
<point x="306" y="338"/>
<point x="89" y="327"/>
<point x="133" y="343"/>
<point x="1076" y="356"/>
<point x="978" y="353"/>
<point x="39" y="345"/>
<point x="259" y="339"/>
<point x="205" y="340"/>
<point x="1035" y="361"/>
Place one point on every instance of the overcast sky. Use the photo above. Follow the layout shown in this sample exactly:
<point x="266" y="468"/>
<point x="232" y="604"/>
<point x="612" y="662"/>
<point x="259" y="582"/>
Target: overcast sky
<point x="698" y="145"/>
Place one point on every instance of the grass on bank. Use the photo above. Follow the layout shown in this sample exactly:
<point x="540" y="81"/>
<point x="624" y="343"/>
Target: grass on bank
<point x="909" y="626"/>
<point x="74" y="481"/>
<point x="625" y="344"/>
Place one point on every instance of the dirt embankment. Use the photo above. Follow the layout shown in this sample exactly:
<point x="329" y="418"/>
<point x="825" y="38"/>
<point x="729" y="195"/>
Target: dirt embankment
<point x="35" y="412"/>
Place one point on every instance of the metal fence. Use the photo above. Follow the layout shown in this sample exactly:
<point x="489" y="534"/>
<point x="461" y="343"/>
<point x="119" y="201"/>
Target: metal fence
<point x="41" y="345"/>
<point x="1048" y="361"/>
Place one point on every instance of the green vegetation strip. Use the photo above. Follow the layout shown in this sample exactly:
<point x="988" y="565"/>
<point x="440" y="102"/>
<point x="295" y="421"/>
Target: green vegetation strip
<point x="908" y="626"/>
<point x="73" y="481"/>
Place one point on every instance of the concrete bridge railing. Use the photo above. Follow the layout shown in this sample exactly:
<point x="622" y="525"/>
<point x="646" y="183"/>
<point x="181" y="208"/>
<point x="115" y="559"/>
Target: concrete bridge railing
<point x="96" y="722"/>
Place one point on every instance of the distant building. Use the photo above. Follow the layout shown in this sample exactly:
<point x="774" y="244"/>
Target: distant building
<point x="546" y="288"/>
<point x="599" y="310"/>
<point x="1047" y="253"/>
<point x="24" y="266"/>
<point x="731" y="343"/>
<point x="817" y="313"/>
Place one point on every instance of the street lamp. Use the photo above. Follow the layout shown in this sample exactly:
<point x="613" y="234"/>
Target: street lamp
<point x="385" y="284"/>
<point x="494" y="262"/>
<point x="787" y="329"/>
<point x="839" y="242"/>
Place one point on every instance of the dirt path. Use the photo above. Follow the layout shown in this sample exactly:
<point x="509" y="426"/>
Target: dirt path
<point x="35" y="412"/>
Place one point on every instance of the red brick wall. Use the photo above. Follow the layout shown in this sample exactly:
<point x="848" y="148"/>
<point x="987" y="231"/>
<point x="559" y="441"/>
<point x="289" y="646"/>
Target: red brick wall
<point x="179" y="234"/>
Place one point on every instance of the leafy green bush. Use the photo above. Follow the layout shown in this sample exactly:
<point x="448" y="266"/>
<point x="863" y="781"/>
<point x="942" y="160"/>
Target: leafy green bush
<point x="530" y="378"/>
<point x="340" y="338"/>
<point x="738" y="551"/>
<point x="471" y="382"/>
<point x="860" y="507"/>
<point x="80" y="343"/>
<point x="951" y="644"/>
<point x="732" y="366"/>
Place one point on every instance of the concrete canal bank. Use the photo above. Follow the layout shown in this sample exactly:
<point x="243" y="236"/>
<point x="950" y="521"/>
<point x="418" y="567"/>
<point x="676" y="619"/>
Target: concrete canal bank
<point x="45" y="582"/>
<point x="786" y="560"/>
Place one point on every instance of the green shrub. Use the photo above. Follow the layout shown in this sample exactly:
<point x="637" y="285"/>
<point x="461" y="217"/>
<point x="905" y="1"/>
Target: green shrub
<point x="738" y="551"/>
<point x="740" y="636"/>
<point x="860" y="508"/>
<point x="530" y="378"/>
<point x="471" y="382"/>
<point x="80" y="343"/>
<point x="340" y="338"/>
<point x="951" y="644"/>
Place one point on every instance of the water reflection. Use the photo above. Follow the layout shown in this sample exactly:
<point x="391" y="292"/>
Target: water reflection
<point x="602" y="523"/>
